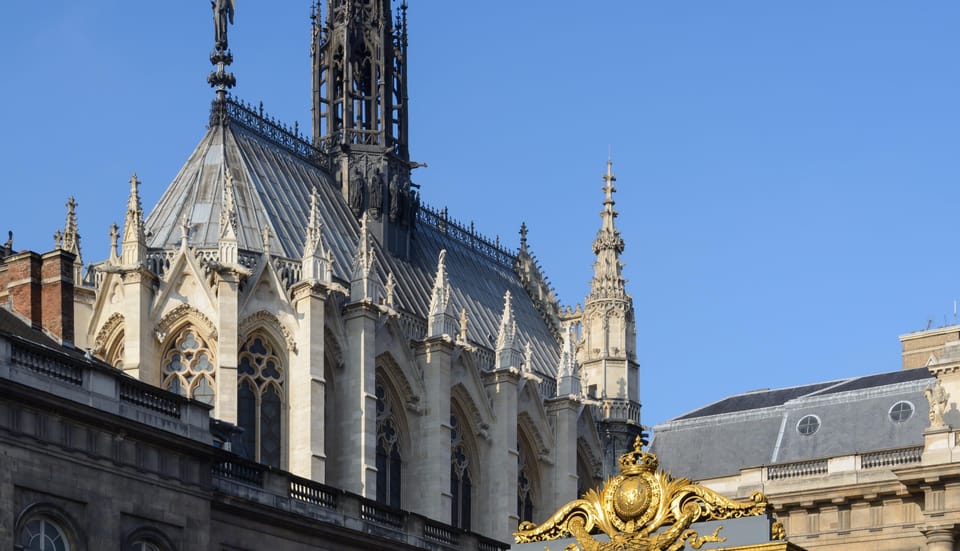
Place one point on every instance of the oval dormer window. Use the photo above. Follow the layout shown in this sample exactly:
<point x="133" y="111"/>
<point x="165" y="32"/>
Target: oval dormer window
<point x="901" y="411"/>
<point x="808" y="425"/>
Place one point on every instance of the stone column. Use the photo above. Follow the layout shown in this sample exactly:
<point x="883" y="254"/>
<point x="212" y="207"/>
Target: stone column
<point x="227" y="346"/>
<point x="939" y="538"/>
<point x="139" y="350"/>
<point x="430" y="464"/>
<point x="564" y="412"/>
<point x="498" y="509"/>
<point x="307" y="387"/>
<point x="357" y="403"/>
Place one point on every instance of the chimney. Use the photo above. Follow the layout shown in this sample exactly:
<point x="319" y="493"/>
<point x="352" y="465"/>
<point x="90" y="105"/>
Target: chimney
<point x="41" y="289"/>
<point x="56" y="294"/>
<point x="23" y="285"/>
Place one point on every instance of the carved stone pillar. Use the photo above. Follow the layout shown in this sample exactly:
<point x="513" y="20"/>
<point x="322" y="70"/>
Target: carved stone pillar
<point x="940" y="538"/>
<point x="564" y="413"/>
<point x="498" y="510"/>
<point x="307" y="456"/>
<point x="431" y="461"/>
<point x="357" y="403"/>
<point x="227" y="347"/>
<point x="139" y="352"/>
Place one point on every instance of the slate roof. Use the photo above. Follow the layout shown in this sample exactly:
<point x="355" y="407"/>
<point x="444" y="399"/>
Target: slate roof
<point x="272" y="186"/>
<point x="760" y="427"/>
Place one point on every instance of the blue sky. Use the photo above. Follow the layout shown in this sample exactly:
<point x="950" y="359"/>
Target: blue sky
<point x="787" y="171"/>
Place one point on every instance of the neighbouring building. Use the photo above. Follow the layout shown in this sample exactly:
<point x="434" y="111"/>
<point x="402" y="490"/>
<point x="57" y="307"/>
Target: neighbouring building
<point x="861" y="463"/>
<point x="343" y="338"/>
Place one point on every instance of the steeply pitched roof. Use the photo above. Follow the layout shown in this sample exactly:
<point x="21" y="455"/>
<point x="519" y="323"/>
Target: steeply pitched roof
<point x="273" y="181"/>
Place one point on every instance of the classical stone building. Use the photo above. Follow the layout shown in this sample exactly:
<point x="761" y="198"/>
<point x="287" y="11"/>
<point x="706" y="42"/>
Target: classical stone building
<point x="358" y="338"/>
<point x="869" y="463"/>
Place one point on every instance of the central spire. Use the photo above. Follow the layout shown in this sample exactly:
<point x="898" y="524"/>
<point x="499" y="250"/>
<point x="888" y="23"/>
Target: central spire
<point x="359" y="52"/>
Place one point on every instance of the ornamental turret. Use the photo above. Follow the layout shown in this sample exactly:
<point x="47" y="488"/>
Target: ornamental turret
<point x="607" y="350"/>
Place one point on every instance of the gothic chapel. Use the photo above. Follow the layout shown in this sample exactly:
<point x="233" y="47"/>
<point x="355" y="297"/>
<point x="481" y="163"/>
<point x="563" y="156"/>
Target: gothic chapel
<point x="358" y="337"/>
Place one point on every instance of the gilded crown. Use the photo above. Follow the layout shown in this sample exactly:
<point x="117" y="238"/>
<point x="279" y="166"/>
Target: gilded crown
<point x="637" y="461"/>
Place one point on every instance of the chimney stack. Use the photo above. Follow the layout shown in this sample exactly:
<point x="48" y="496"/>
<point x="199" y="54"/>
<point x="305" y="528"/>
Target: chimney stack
<point x="40" y="288"/>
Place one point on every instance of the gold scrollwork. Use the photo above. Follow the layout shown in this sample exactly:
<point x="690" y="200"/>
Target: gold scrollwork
<point x="635" y="504"/>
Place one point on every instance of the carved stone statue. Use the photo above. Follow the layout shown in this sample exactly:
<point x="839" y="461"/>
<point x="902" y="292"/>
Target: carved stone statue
<point x="937" y="398"/>
<point x="222" y="14"/>
<point x="376" y="193"/>
<point x="394" y="197"/>
<point x="357" y="186"/>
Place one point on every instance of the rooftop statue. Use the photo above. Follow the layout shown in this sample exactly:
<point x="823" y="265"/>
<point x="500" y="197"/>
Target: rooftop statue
<point x="222" y="13"/>
<point x="633" y="506"/>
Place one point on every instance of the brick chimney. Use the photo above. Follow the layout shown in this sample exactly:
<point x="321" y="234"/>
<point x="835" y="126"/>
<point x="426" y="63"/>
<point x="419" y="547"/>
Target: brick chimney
<point x="40" y="288"/>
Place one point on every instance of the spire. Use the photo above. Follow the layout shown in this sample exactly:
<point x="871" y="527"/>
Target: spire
<point x="70" y="239"/>
<point x="134" y="248"/>
<point x="508" y="353"/>
<point x="508" y="326"/>
<point x="316" y="262"/>
<point x="229" y="255"/>
<point x="440" y="321"/>
<point x="363" y="283"/>
<point x="221" y="57"/>
<point x="608" y="270"/>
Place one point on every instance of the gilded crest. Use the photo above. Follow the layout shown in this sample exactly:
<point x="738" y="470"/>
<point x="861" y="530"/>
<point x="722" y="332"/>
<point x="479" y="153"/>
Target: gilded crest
<point x="642" y="508"/>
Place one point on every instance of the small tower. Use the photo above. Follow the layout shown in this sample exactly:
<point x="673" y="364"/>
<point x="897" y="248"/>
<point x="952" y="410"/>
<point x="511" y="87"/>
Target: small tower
<point x="359" y="54"/>
<point x="607" y="351"/>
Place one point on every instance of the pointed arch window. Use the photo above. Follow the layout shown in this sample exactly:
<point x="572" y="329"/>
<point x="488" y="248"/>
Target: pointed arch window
<point x="189" y="367"/>
<point x="524" y="486"/>
<point x="388" y="451"/>
<point x="260" y="378"/>
<point x="460" y="484"/>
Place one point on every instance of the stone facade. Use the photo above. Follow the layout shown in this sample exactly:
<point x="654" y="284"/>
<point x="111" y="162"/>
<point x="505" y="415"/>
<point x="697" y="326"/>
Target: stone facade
<point x="361" y="340"/>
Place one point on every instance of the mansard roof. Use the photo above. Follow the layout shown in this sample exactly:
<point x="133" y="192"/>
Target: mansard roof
<point x="758" y="428"/>
<point x="274" y="173"/>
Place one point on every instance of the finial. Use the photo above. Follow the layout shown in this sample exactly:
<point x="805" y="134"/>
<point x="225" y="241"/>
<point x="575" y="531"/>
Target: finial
<point x="71" y="239"/>
<point x="265" y="234"/>
<point x="523" y="236"/>
<point x="57" y="240"/>
<point x="221" y="57"/>
<point x="9" y="244"/>
<point x="184" y="232"/>
<point x="114" y="237"/>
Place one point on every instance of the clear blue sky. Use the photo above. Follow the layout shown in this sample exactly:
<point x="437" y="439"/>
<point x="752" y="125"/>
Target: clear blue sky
<point x="787" y="170"/>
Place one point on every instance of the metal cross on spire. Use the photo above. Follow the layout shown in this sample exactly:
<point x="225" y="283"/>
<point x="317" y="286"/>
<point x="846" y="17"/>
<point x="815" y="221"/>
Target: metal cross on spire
<point x="221" y="57"/>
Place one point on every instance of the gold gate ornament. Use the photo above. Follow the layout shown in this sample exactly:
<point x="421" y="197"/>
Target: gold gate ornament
<point x="633" y="506"/>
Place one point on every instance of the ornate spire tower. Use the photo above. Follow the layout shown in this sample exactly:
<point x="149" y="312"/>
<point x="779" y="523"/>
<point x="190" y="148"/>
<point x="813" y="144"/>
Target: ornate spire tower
<point x="607" y="351"/>
<point x="359" y="52"/>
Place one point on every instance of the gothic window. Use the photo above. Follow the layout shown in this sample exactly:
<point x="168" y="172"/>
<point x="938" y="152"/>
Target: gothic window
<point x="524" y="488"/>
<point x="260" y="377"/>
<point x="188" y="367"/>
<point x="41" y="533"/>
<point x="460" y="487"/>
<point x="388" y="451"/>
<point x="114" y="354"/>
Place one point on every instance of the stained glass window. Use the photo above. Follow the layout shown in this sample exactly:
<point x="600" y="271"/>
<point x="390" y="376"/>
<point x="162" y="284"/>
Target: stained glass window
<point x="260" y="399"/>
